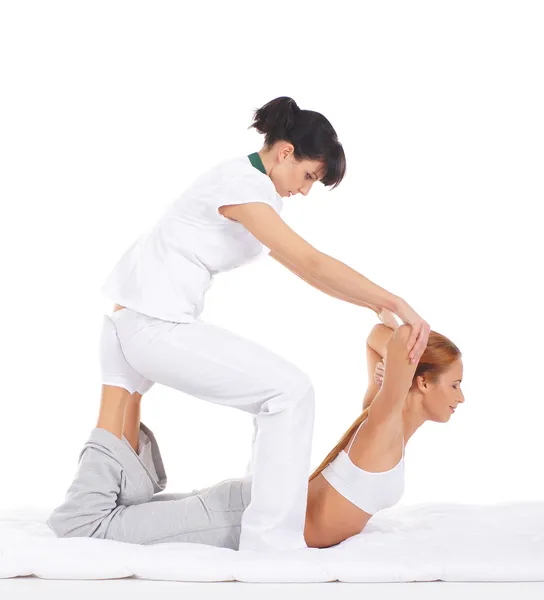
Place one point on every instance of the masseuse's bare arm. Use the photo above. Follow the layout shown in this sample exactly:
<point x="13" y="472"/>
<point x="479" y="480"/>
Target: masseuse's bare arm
<point x="312" y="265"/>
<point x="321" y="286"/>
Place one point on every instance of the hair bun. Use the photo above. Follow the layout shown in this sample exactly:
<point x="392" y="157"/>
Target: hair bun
<point x="276" y="117"/>
<point x="311" y="134"/>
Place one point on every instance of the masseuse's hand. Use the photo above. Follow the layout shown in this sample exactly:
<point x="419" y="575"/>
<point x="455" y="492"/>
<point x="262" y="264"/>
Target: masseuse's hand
<point x="420" y="330"/>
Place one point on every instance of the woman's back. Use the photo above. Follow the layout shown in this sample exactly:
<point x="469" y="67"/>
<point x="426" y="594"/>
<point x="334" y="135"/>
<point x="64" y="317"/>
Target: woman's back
<point x="343" y="497"/>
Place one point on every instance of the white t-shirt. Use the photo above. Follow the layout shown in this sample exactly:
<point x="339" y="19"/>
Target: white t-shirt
<point x="166" y="271"/>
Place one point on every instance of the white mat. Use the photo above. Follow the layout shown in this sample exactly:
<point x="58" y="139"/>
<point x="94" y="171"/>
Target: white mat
<point x="425" y="542"/>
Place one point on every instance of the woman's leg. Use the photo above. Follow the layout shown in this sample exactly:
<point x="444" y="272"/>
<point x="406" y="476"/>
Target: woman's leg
<point x="131" y="429"/>
<point x="118" y="375"/>
<point x="113" y="403"/>
<point x="219" y="366"/>
<point x="106" y="465"/>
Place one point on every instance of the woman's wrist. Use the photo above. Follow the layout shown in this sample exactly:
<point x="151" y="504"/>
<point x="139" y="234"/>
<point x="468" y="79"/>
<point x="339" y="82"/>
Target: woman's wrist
<point x="393" y="303"/>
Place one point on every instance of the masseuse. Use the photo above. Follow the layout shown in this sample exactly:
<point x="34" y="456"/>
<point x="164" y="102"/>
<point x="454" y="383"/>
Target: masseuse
<point x="229" y="216"/>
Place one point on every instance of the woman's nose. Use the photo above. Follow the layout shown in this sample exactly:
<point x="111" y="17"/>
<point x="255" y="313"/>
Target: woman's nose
<point x="306" y="189"/>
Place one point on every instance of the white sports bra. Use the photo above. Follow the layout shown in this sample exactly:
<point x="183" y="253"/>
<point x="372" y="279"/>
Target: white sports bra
<point x="370" y="492"/>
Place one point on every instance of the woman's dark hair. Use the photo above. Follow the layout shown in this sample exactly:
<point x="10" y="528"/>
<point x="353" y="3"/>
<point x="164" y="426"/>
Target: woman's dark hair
<point x="311" y="134"/>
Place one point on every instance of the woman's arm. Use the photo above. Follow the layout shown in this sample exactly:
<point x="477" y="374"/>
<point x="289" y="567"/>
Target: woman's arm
<point x="372" y="357"/>
<point x="398" y="377"/>
<point x="376" y="344"/>
<point x="321" y="286"/>
<point x="378" y="338"/>
<point x="263" y="222"/>
<point x="341" y="277"/>
<point x="378" y="449"/>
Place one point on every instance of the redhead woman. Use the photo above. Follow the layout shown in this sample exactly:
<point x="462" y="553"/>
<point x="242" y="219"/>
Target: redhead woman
<point x="229" y="216"/>
<point x="114" y="494"/>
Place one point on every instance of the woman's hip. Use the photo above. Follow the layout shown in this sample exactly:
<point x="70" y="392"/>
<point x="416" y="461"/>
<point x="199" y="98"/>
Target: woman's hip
<point x="205" y="360"/>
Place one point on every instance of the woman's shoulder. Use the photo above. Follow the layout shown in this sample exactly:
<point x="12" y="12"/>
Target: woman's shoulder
<point x="236" y="171"/>
<point x="242" y="180"/>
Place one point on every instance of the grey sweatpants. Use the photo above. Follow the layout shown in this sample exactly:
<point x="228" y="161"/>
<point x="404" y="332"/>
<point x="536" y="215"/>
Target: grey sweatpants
<point x="114" y="496"/>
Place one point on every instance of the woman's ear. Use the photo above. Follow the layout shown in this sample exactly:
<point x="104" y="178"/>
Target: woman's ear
<point x="422" y="383"/>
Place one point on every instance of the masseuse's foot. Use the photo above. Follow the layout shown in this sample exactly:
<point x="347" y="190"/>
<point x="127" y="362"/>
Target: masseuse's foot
<point x="114" y="366"/>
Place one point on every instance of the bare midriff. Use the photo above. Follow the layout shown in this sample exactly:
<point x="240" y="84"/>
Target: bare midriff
<point x="330" y="518"/>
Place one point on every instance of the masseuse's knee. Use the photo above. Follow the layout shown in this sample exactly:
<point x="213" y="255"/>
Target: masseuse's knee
<point x="298" y="389"/>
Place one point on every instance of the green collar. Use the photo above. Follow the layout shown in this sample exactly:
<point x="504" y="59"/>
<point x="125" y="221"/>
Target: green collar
<point x="256" y="161"/>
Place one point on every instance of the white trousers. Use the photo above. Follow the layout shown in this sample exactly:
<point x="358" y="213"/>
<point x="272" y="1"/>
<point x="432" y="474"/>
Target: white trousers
<point x="216" y="365"/>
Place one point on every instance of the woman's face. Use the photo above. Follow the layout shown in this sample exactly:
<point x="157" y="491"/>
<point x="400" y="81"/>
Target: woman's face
<point x="438" y="398"/>
<point x="291" y="176"/>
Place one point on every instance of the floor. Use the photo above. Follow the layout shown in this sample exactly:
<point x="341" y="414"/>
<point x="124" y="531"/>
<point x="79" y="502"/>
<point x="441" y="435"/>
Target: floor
<point x="30" y="587"/>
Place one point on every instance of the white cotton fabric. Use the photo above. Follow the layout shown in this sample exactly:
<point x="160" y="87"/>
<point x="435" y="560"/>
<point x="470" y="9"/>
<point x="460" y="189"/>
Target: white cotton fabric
<point x="368" y="491"/>
<point x="166" y="272"/>
<point x="426" y="542"/>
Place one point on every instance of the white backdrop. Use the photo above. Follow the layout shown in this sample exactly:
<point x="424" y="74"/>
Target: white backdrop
<point x="110" y="109"/>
